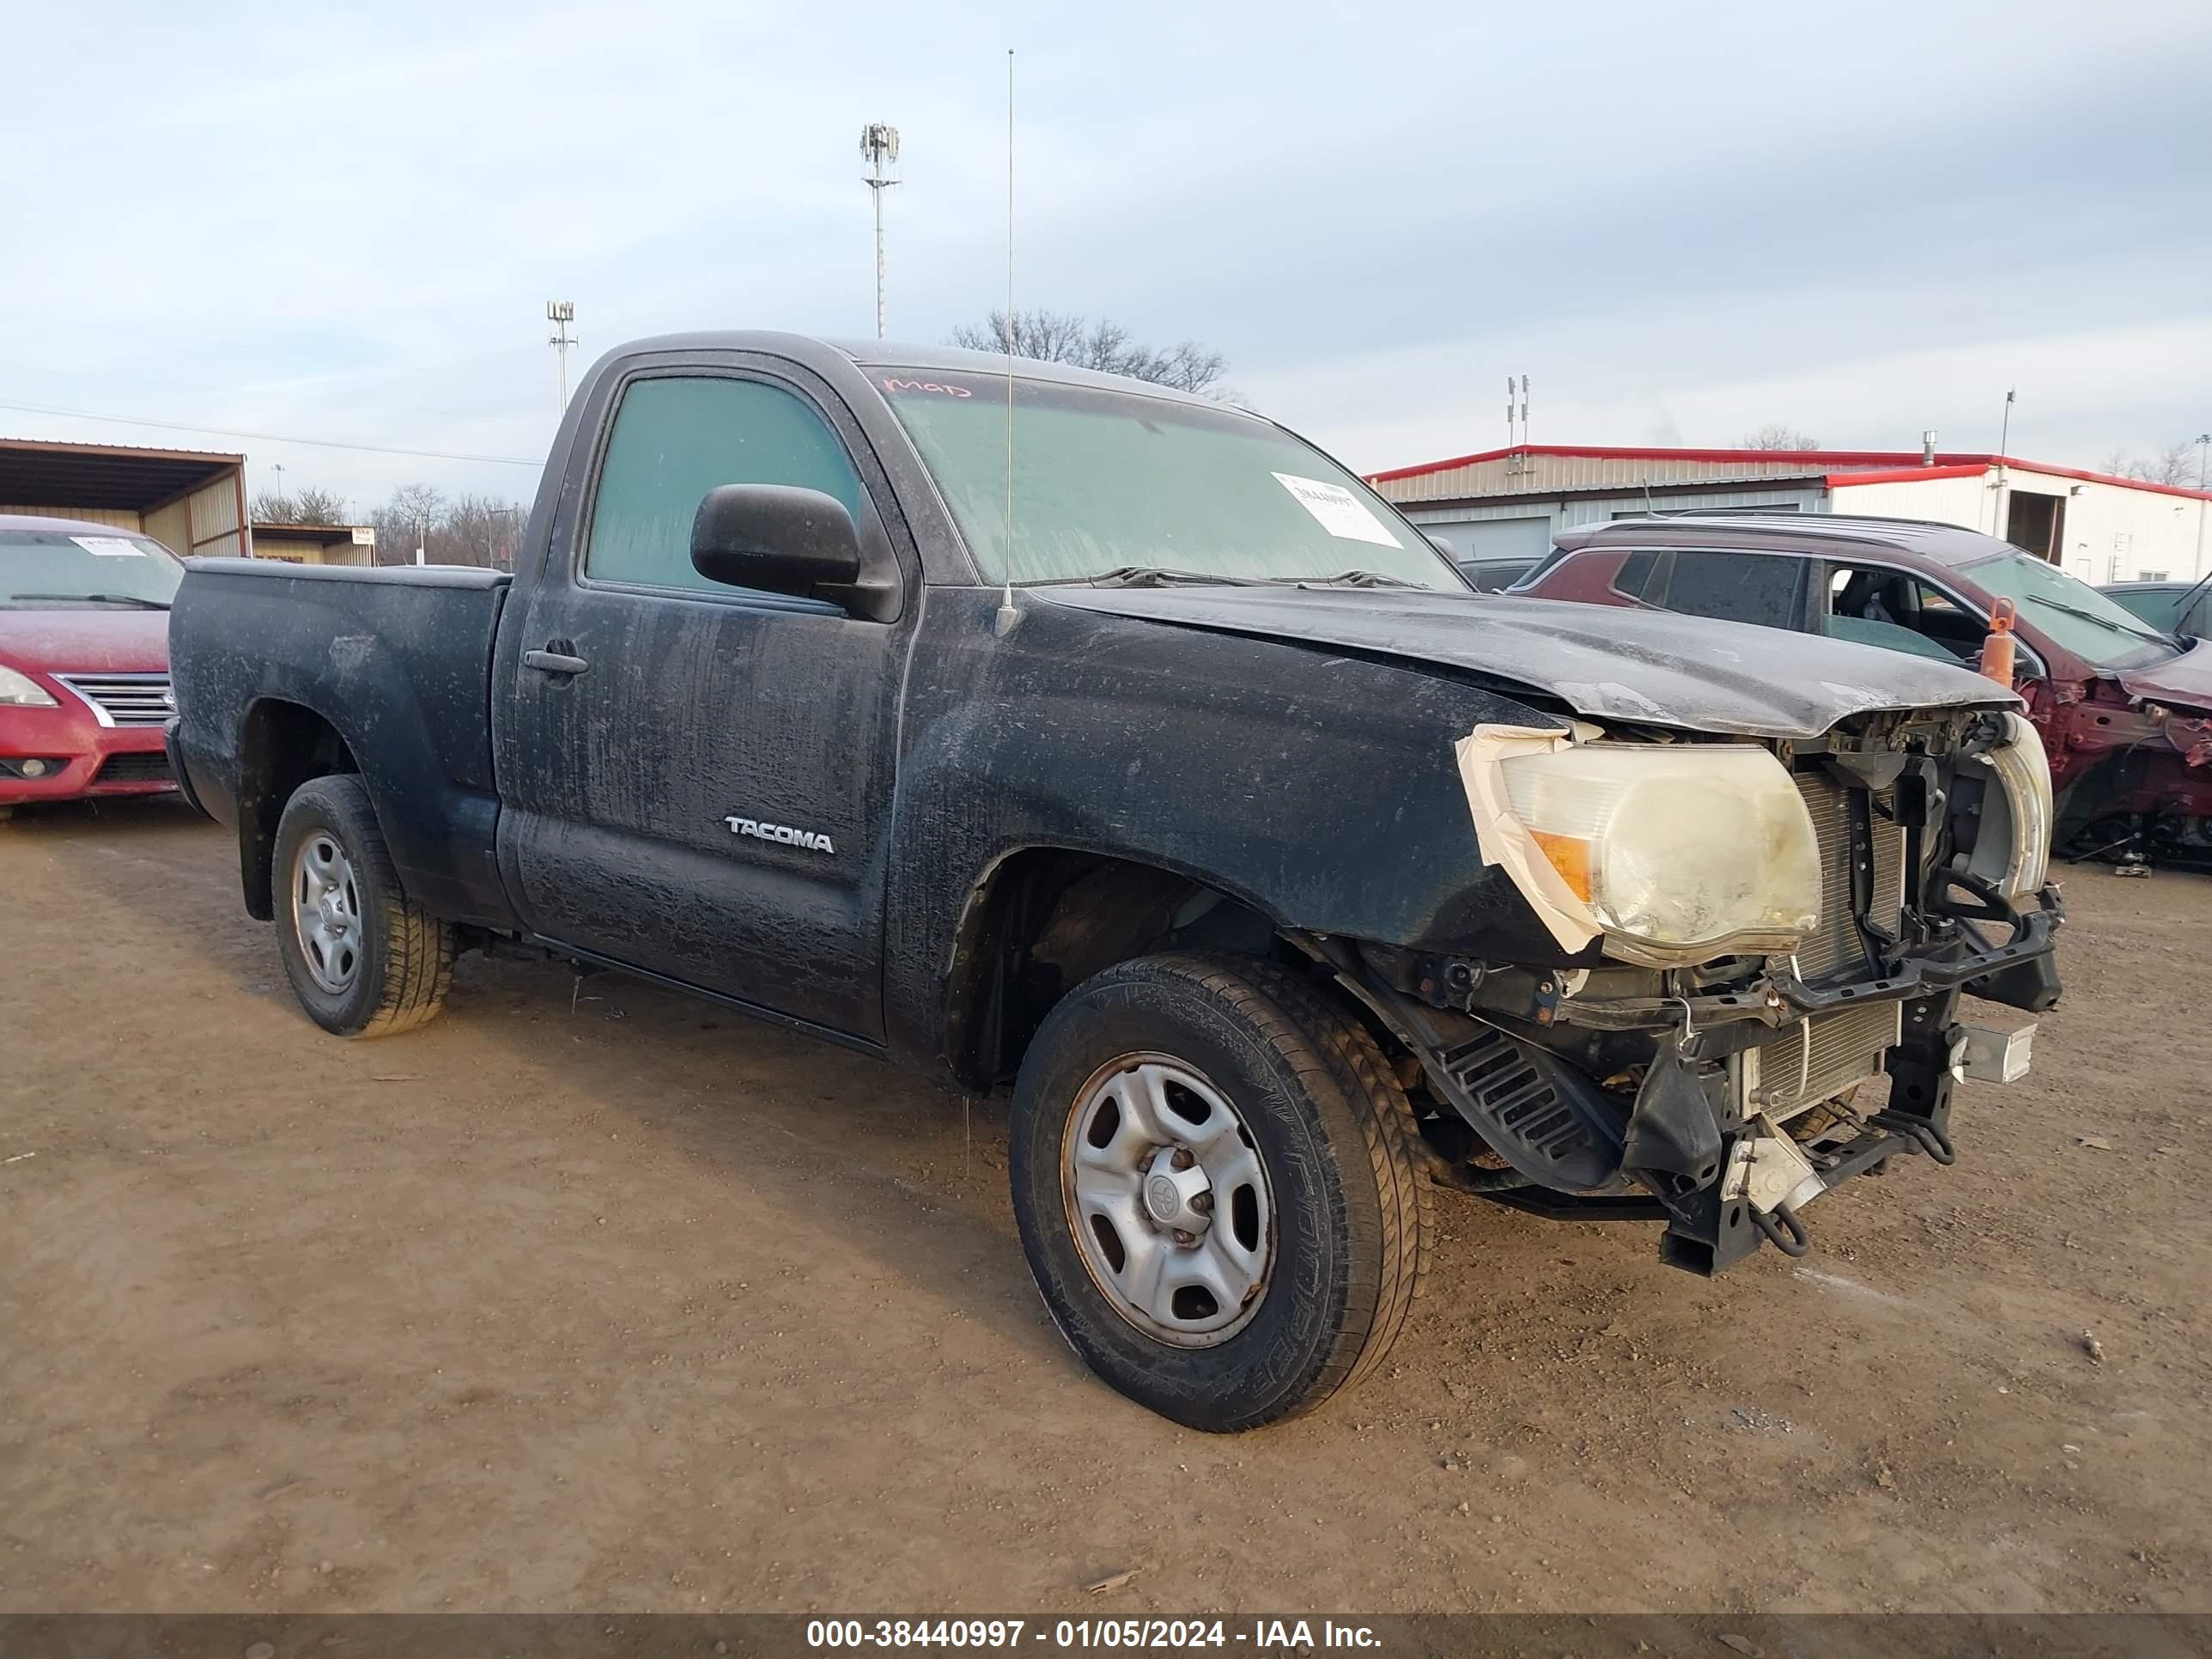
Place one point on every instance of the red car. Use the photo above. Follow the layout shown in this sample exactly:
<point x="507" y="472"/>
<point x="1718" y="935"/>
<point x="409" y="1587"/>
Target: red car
<point x="84" y="660"/>
<point x="2125" y="708"/>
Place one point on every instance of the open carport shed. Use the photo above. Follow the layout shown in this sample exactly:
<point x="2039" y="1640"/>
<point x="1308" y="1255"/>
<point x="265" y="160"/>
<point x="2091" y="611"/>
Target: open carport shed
<point x="191" y="501"/>
<point x="315" y="544"/>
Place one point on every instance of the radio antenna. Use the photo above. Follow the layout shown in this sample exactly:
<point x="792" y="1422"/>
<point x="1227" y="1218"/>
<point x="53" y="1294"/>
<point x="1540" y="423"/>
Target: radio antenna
<point x="1007" y="616"/>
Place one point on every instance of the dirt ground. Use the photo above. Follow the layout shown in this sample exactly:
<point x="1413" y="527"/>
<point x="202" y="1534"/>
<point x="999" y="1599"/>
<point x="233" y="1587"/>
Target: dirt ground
<point x="634" y="1304"/>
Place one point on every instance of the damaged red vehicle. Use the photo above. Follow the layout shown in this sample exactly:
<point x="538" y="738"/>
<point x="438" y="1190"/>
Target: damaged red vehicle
<point x="2124" y="709"/>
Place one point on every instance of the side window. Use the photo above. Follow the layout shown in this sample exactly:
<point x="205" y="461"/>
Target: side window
<point x="1634" y="576"/>
<point x="1746" y="588"/>
<point x="2161" y="608"/>
<point x="1544" y="567"/>
<point x="677" y="437"/>
<point x="1874" y="605"/>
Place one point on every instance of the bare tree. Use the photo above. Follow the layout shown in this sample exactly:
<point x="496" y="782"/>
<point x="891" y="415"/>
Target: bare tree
<point x="313" y="506"/>
<point x="405" y="523"/>
<point x="310" y="506"/>
<point x="1773" y="435"/>
<point x="478" y="530"/>
<point x="1055" y="337"/>
<point x="2174" y="465"/>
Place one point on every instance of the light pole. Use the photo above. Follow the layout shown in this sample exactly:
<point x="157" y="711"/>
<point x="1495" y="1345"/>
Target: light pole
<point x="880" y="149"/>
<point x="560" y="313"/>
<point x="1996" y="498"/>
<point x="2203" y="445"/>
<point x="498" y="537"/>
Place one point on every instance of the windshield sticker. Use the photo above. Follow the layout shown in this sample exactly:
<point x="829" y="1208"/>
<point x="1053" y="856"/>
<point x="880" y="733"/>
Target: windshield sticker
<point x="1338" y="511"/>
<point x="110" y="547"/>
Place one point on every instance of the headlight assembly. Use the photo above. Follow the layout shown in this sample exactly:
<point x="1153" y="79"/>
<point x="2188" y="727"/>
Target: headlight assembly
<point x="21" y="691"/>
<point x="2012" y="846"/>
<point x="1676" y="853"/>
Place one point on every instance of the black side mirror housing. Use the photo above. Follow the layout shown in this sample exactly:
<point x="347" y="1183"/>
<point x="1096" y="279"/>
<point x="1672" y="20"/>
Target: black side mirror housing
<point x="776" y="537"/>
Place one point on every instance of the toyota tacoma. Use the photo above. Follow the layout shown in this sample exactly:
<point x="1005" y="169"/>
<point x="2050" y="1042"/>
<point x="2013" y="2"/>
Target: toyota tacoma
<point x="1025" y="726"/>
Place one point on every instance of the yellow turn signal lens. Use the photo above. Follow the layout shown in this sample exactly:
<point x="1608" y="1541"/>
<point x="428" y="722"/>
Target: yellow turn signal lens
<point x="1571" y="856"/>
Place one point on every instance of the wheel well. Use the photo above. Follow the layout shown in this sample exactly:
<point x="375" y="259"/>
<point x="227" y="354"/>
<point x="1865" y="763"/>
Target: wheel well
<point x="283" y="745"/>
<point x="1045" y="918"/>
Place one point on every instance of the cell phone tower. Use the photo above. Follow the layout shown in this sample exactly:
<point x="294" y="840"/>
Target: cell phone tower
<point x="560" y="313"/>
<point x="880" y="149"/>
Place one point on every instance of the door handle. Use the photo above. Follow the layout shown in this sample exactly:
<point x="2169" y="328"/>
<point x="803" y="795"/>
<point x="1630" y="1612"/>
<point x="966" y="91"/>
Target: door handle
<point x="554" y="662"/>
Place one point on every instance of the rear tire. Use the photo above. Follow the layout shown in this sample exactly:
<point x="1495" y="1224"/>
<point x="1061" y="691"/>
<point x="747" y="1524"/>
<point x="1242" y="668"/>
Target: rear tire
<point x="363" y="960"/>
<point x="1332" y="1234"/>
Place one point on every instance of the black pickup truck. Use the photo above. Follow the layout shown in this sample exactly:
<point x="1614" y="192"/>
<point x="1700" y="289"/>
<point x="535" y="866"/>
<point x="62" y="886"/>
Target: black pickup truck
<point x="1016" y="724"/>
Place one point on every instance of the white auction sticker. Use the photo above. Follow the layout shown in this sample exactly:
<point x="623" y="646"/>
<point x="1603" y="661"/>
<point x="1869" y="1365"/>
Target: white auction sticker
<point x="110" y="547"/>
<point x="1338" y="511"/>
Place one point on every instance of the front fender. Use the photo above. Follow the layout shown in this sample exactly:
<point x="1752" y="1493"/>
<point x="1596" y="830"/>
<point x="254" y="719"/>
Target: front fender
<point x="1319" y="788"/>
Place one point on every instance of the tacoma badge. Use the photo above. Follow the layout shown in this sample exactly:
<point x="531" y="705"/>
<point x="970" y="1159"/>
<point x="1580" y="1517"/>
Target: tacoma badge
<point x="782" y="833"/>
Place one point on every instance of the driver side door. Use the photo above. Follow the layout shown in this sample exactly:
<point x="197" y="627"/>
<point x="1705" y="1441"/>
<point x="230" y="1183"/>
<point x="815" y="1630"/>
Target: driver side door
<point x="705" y="798"/>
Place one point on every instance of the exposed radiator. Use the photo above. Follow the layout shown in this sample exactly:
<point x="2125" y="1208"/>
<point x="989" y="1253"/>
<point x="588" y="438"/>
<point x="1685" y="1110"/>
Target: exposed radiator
<point x="1808" y="1062"/>
<point x="1835" y="946"/>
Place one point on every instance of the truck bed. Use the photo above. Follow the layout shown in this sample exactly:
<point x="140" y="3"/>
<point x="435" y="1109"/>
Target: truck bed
<point x="396" y="660"/>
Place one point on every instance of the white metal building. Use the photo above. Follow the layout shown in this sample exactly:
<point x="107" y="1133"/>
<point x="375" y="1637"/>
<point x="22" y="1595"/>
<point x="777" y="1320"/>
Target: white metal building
<point x="1506" y="503"/>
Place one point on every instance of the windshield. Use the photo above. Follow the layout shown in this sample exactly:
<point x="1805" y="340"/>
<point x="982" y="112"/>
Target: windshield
<point x="1107" y="481"/>
<point x="2075" y="615"/>
<point x="86" y="570"/>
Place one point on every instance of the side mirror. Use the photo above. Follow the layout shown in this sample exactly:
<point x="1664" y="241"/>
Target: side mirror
<point x="1443" y="545"/>
<point x="774" y="537"/>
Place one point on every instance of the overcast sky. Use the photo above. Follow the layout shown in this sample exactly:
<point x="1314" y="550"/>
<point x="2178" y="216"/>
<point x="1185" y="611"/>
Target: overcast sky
<point x="1681" y="221"/>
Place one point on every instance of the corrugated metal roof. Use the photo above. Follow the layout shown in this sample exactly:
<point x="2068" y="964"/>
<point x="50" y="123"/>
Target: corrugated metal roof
<point x="1552" y="472"/>
<point x="1559" y="468"/>
<point x="1521" y="472"/>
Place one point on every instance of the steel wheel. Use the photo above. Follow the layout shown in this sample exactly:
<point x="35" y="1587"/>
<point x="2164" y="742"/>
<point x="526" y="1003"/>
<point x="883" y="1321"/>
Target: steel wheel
<point x="326" y="912"/>
<point x="1169" y="1200"/>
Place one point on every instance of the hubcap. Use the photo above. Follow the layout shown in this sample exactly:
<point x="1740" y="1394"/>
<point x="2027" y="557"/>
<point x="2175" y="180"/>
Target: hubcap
<point x="326" y="912"/>
<point x="1168" y="1200"/>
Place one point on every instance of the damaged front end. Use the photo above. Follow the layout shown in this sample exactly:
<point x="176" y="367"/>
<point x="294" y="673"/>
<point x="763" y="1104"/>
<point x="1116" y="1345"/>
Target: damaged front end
<point x="2134" y="775"/>
<point x="1762" y="949"/>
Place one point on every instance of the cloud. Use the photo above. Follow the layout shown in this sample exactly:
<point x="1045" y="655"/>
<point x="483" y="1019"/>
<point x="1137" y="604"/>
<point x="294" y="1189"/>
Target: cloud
<point x="1686" y="220"/>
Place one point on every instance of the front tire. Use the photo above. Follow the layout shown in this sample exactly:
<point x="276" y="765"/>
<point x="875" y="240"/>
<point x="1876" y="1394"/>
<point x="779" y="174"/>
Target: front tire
<point x="363" y="960"/>
<point x="1219" y="1189"/>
